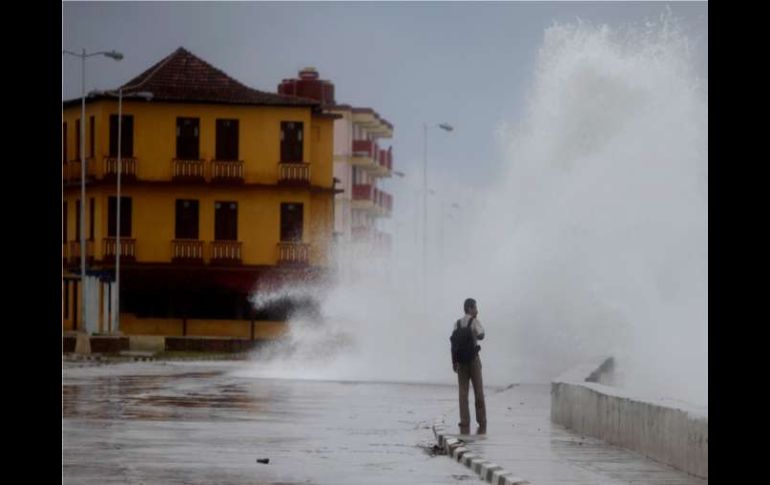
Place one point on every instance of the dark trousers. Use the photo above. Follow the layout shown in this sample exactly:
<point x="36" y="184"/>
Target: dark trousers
<point x="466" y="373"/>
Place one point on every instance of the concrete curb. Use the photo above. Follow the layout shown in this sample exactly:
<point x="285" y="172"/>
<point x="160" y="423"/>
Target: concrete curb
<point x="486" y="470"/>
<point x="117" y="359"/>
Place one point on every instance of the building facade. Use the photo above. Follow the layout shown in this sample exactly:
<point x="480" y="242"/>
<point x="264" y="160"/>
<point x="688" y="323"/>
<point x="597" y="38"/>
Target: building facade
<point x="361" y="160"/>
<point x="226" y="192"/>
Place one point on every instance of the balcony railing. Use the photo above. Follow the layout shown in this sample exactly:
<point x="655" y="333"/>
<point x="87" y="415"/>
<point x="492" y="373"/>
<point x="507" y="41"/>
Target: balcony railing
<point x="74" y="252"/>
<point x="364" y="148"/>
<point x="127" y="167"/>
<point x="74" y="167"/>
<point x="296" y="253"/>
<point x="363" y="192"/>
<point x="294" y="173"/>
<point x="385" y="158"/>
<point x="127" y="248"/>
<point x="226" y="252"/>
<point x="365" y="153"/>
<point x="188" y="170"/>
<point x="187" y="251"/>
<point x="227" y="171"/>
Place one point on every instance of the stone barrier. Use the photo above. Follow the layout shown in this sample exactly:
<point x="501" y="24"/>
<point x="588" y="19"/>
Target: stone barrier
<point x="664" y="430"/>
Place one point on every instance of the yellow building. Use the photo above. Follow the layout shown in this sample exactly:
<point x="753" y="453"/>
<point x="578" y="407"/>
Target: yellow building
<point x="225" y="191"/>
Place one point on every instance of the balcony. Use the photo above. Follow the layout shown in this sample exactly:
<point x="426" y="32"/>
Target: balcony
<point x="364" y="154"/>
<point x="227" y="172"/>
<point x="294" y="173"/>
<point x="293" y="253"/>
<point x="74" y="252"/>
<point x="226" y="253"/>
<point x="127" y="168"/>
<point x="74" y="170"/>
<point x="127" y="249"/>
<point x="363" y="197"/>
<point x="384" y="163"/>
<point x="187" y="251"/>
<point x="188" y="170"/>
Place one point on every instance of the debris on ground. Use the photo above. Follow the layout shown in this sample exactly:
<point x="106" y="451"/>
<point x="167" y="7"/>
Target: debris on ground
<point x="263" y="460"/>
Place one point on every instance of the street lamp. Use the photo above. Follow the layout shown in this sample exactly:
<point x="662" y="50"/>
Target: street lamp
<point x="144" y="95"/>
<point x="116" y="56"/>
<point x="448" y="128"/>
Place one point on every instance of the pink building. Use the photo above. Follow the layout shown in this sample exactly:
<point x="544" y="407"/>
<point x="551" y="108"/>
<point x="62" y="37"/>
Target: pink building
<point x="361" y="159"/>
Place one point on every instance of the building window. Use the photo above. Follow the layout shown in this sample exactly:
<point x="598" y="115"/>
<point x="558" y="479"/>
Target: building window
<point x="291" y="222"/>
<point x="187" y="136"/>
<point x="186" y="219"/>
<point x="291" y="141"/>
<point x="125" y="216"/>
<point x="64" y="142"/>
<point x="225" y="221"/>
<point x="91" y="210"/>
<point x="227" y="140"/>
<point x="92" y="139"/>
<point x="127" y="138"/>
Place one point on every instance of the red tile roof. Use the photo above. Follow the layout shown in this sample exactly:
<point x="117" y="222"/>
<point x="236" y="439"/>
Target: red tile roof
<point x="184" y="77"/>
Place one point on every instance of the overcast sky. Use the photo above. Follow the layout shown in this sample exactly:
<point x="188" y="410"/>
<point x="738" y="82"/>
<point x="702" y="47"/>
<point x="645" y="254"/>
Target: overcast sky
<point x="465" y="63"/>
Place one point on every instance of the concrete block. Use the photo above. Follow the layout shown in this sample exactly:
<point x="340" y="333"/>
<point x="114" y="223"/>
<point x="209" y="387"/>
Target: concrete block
<point x="511" y="480"/>
<point x="498" y="476"/>
<point x="488" y="469"/>
<point x="458" y="452"/>
<point x="467" y="457"/>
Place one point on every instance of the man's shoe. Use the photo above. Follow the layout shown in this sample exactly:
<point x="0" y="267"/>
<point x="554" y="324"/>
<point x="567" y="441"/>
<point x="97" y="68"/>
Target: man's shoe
<point x="481" y="429"/>
<point x="465" y="430"/>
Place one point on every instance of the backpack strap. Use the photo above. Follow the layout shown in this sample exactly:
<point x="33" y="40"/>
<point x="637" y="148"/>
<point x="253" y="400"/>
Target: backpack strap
<point x="457" y="325"/>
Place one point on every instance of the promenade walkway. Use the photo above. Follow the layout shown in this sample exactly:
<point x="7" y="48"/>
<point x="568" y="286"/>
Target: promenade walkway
<point x="521" y="439"/>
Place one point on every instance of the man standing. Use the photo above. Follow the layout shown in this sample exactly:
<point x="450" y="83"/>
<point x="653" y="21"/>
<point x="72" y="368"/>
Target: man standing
<point x="467" y="364"/>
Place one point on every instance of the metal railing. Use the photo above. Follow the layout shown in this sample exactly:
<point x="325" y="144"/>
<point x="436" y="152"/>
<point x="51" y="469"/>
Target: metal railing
<point x="74" y="251"/>
<point x="293" y="253"/>
<point x="75" y="170"/>
<point x="188" y="169"/>
<point x="223" y="252"/>
<point x="127" y="248"/>
<point x="127" y="166"/>
<point x="294" y="173"/>
<point x="186" y="250"/>
<point x="227" y="171"/>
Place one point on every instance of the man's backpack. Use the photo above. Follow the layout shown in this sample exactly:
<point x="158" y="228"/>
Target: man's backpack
<point x="464" y="348"/>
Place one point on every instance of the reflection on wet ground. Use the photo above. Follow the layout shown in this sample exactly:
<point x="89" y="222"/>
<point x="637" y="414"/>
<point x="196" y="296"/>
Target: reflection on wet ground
<point x="184" y="423"/>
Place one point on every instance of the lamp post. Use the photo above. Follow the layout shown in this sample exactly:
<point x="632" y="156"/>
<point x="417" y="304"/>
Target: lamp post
<point x="446" y="127"/>
<point x="148" y="96"/>
<point x="116" y="56"/>
<point x="144" y="95"/>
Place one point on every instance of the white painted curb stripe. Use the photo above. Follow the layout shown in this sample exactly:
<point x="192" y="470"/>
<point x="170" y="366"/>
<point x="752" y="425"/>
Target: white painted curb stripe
<point x="487" y="471"/>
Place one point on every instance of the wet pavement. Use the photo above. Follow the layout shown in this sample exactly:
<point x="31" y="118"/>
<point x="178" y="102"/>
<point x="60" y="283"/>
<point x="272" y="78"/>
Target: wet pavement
<point x="522" y="439"/>
<point x="195" y="423"/>
<point x="198" y="423"/>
